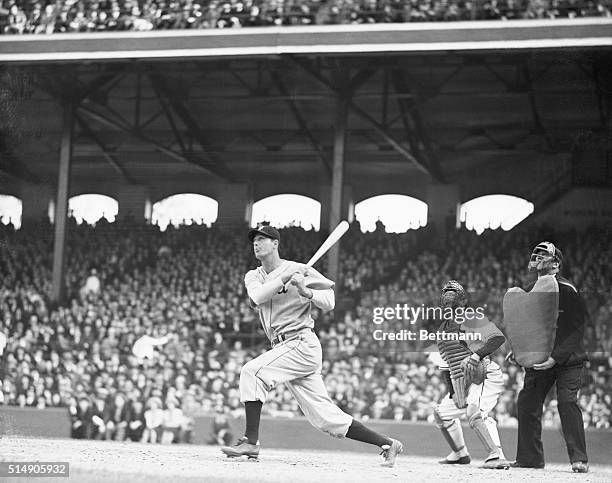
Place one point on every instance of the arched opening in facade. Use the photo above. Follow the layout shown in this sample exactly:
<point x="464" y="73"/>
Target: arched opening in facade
<point x="494" y="211"/>
<point x="185" y="209"/>
<point x="91" y="208"/>
<point x="11" y="209"/>
<point x="398" y="213"/>
<point x="287" y="210"/>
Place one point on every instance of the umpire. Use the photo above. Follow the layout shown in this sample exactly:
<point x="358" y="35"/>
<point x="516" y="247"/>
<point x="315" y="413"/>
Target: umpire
<point x="564" y="366"/>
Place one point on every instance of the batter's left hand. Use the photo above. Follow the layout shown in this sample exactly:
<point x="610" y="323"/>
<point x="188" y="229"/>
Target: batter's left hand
<point x="297" y="280"/>
<point x="547" y="364"/>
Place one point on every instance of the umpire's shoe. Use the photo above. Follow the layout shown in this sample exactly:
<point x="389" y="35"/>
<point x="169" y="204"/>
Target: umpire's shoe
<point x="517" y="464"/>
<point x="580" y="467"/>
<point x="390" y="452"/>
<point x="242" y="448"/>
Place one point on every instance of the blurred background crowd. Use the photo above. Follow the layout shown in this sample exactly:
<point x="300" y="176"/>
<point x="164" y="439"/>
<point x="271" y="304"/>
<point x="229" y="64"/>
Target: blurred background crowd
<point x="185" y="284"/>
<point x="48" y="16"/>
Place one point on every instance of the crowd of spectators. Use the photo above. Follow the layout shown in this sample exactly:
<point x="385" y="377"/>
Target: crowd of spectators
<point x="47" y="16"/>
<point x="488" y="265"/>
<point x="185" y="284"/>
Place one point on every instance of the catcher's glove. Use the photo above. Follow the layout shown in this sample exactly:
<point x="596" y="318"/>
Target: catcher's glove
<point x="474" y="371"/>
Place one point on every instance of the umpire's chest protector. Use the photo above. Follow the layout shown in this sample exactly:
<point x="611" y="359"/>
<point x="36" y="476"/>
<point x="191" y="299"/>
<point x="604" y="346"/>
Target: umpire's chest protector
<point x="531" y="320"/>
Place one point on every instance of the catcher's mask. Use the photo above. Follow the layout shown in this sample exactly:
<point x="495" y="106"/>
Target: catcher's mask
<point x="545" y="257"/>
<point x="453" y="295"/>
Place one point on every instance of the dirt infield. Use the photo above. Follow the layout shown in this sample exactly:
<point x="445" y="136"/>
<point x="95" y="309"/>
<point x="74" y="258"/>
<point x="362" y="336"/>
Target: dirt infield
<point x="102" y="461"/>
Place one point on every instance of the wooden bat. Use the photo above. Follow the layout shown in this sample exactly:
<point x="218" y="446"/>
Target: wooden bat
<point x="329" y="242"/>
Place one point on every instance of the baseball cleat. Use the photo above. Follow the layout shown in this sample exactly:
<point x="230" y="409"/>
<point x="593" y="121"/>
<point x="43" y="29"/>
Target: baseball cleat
<point x="464" y="460"/>
<point x="390" y="452"/>
<point x="496" y="464"/>
<point x="242" y="448"/>
<point x="580" y="467"/>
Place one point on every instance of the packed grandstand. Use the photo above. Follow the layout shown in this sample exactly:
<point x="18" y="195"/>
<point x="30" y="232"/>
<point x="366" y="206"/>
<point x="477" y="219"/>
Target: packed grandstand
<point x="46" y="16"/>
<point x="125" y="281"/>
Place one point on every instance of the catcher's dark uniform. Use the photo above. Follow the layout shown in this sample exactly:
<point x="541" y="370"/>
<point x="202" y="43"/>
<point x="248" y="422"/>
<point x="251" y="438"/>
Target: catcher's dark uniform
<point x="570" y="355"/>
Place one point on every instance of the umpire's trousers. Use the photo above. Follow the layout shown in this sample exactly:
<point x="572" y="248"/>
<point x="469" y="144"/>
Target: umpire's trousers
<point x="530" y="405"/>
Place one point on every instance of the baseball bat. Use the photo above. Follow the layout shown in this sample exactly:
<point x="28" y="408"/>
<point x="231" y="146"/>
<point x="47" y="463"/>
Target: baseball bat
<point x="329" y="242"/>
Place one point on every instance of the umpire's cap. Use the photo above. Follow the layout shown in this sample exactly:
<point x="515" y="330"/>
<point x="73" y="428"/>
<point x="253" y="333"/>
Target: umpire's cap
<point x="265" y="230"/>
<point x="548" y="248"/>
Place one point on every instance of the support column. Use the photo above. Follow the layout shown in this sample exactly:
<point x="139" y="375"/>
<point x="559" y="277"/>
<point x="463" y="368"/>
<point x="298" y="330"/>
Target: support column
<point x="134" y="203"/>
<point x="61" y="205"/>
<point x="35" y="199"/>
<point x="235" y="204"/>
<point x="335" y="212"/>
<point x="348" y="209"/>
<point x="442" y="207"/>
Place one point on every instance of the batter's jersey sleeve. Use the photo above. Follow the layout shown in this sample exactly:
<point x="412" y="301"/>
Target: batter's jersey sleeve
<point x="261" y="291"/>
<point x="324" y="299"/>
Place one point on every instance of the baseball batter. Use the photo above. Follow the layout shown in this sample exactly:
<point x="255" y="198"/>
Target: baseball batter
<point x="284" y="292"/>
<point x="472" y="400"/>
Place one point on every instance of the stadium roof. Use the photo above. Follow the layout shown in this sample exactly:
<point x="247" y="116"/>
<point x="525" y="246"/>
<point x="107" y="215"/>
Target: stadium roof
<point x="317" y="39"/>
<point x="478" y="117"/>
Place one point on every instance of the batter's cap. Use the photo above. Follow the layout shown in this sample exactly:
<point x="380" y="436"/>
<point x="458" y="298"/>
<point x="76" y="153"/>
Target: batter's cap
<point x="265" y="230"/>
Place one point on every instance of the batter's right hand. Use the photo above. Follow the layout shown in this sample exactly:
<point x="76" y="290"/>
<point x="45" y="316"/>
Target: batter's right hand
<point x="288" y="274"/>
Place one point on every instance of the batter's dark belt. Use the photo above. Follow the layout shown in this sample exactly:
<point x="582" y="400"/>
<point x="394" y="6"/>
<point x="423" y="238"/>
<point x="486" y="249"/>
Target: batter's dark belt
<point x="292" y="334"/>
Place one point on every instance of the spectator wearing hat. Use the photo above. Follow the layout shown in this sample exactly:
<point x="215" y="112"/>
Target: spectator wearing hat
<point x="136" y="421"/>
<point x="92" y="284"/>
<point x="172" y="422"/>
<point x="154" y="419"/>
<point x="119" y="416"/>
<point x="221" y="433"/>
<point x="80" y="414"/>
<point x="100" y="415"/>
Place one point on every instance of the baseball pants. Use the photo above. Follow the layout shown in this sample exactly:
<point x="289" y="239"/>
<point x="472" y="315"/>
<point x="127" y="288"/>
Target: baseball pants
<point x="297" y="364"/>
<point x="530" y="407"/>
<point x="484" y="396"/>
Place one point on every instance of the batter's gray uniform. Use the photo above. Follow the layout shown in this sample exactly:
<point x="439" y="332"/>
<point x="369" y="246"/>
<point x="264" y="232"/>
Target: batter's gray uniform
<point x="296" y="357"/>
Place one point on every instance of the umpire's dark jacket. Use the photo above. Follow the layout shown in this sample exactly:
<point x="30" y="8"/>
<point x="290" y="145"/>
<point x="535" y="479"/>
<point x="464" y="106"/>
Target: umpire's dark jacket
<point x="569" y="338"/>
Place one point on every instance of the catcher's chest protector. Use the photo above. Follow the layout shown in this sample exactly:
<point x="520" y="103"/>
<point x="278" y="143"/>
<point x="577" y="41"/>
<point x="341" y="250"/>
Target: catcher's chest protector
<point x="453" y="351"/>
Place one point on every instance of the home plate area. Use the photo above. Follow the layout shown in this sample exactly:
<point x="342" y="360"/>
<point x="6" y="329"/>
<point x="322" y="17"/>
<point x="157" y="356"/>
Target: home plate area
<point x="107" y="461"/>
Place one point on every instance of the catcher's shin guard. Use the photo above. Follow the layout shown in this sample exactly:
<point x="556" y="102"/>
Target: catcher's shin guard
<point x="492" y="427"/>
<point x="460" y="390"/>
<point x="452" y="432"/>
<point x="453" y="352"/>
<point x="479" y="426"/>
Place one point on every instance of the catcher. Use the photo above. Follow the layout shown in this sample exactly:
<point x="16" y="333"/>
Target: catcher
<point x="474" y="382"/>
